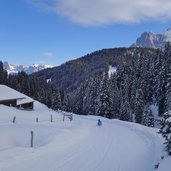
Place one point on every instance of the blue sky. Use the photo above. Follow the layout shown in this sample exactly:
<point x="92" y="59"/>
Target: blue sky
<point x="55" y="31"/>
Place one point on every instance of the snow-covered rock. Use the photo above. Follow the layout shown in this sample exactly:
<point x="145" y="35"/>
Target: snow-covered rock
<point x="153" y="40"/>
<point x="167" y="35"/>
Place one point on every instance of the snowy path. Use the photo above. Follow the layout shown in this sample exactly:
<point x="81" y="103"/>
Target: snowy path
<point x="82" y="146"/>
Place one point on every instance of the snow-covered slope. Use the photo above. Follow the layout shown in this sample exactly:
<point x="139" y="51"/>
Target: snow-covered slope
<point x="153" y="40"/>
<point x="79" y="145"/>
<point x="14" y="69"/>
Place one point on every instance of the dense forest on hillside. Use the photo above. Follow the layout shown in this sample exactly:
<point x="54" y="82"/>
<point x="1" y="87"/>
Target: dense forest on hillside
<point x="72" y="74"/>
<point x="83" y="86"/>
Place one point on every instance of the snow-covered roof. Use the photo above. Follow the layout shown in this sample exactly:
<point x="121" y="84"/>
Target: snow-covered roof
<point x="7" y="93"/>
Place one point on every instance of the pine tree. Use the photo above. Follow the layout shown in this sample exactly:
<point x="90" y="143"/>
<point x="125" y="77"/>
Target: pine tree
<point x="147" y="80"/>
<point x="125" y="114"/>
<point x="1" y="67"/>
<point x="157" y="75"/>
<point x="168" y="93"/>
<point x="166" y="131"/>
<point x="104" y="100"/>
<point x="56" y="100"/>
<point x="168" y="77"/>
<point x="148" y="118"/>
<point x="139" y="106"/>
<point x="163" y="78"/>
<point x="66" y="103"/>
<point x="115" y="97"/>
<point x="92" y="95"/>
<point x="79" y="100"/>
<point x="3" y="74"/>
<point x="125" y="110"/>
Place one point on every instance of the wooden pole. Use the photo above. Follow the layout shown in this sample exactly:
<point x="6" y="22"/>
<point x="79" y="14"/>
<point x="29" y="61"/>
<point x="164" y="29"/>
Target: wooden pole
<point x="31" y="144"/>
<point x="63" y="117"/>
<point x="51" y="118"/>
<point x="14" y="119"/>
<point x="37" y="120"/>
<point x="71" y="117"/>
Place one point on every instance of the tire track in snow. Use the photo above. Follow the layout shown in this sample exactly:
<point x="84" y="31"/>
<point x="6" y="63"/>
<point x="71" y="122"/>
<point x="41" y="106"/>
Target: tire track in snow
<point x="106" y="144"/>
<point x="151" y="140"/>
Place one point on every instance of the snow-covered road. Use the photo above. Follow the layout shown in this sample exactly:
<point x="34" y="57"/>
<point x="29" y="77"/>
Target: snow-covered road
<point x="79" y="145"/>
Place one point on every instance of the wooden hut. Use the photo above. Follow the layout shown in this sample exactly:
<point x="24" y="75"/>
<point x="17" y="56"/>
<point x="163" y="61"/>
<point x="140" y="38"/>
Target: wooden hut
<point x="11" y="97"/>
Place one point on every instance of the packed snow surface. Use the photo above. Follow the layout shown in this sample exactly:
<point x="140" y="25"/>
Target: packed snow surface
<point x="79" y="145"/>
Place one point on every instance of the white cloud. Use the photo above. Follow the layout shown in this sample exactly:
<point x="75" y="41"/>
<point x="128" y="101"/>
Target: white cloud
<point x="48" y="54"/>
<point x="102" y="12"/>
<point x="44" y="5"/>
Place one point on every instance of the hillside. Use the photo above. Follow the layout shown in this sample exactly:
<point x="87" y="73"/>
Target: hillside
<point x="77" y="145"/>
<point x="72" y="74"/>
<point x="81" y="80"/>
<point x="141" y="80"/>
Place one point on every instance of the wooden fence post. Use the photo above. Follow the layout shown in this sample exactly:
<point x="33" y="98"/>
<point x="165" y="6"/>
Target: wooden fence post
<point x="14" y="119"/>
<point x="71" y="117"/>
<point x="31" y="144"/>
<point x="63" y="117"/>
<point x="51" y="118"/>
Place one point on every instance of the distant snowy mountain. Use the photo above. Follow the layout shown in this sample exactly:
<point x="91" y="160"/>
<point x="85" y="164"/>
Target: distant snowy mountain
<point x="153" y="40"/>
<point x="29" y="69"/>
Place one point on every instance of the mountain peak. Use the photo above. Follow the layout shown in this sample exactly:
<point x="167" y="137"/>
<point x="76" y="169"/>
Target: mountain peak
<point x="153" y="40"/>
<point x="167" y="35"/>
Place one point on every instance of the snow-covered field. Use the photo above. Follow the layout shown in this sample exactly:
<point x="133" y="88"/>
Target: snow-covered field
<point x="79" y="145"/>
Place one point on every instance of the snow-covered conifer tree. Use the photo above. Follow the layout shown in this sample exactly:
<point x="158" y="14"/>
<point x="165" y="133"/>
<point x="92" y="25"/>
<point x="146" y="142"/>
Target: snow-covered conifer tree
<point x="148" y="118"/>
<point x="115" y="96"/>
<point x="56" y="100"/>
<point x="104" y="100"/>
<point x="166" y="131"/>
<point x="139" y="106"/>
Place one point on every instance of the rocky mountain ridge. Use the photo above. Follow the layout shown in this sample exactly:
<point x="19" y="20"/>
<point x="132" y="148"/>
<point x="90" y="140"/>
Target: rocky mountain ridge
<point x="29" y="69"/>
<point x="153" y="40"/>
